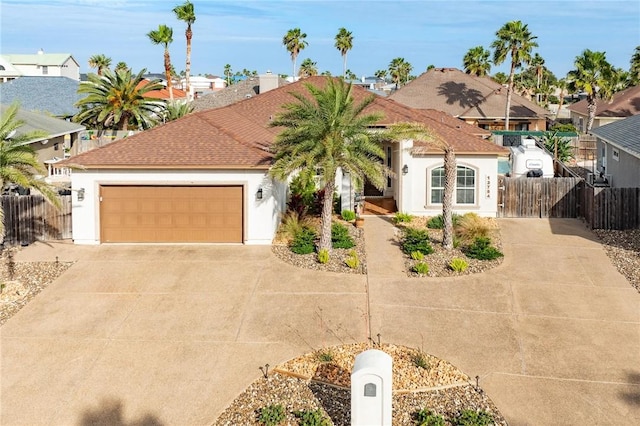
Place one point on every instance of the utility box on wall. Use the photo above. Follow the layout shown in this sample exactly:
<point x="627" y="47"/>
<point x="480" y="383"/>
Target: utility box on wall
<point x="371" y="389"/>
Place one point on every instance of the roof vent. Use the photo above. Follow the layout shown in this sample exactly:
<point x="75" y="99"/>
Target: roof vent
<point x="41" y="51"/>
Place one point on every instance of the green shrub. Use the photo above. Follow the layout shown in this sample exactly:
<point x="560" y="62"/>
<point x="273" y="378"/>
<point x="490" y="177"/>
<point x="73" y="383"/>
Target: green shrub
<point x="481" y="249"/>
<point x="416" y="240"/>
<point x="417" y="255"/>
<point x="425" y="417"/>
<point x="340" y="237"/>
<point x="402" y="217"/>
<point x="323" y="256"/>
<point x="474" y="418"/>
<point x="352" y="260"/>
<point x="421" y="268"/>
<point x="271" y="415"/>
<point x="312" y="418"/>
<point x="563" y="127"/>
<point x="348" y="215"/>
<point x="304" y="241"/>
<point x="458" y="265"/>
<point x="437" y="222"/>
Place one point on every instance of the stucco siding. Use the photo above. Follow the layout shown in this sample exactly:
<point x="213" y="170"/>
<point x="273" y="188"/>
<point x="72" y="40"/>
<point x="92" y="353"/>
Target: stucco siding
<point x="623" y="168"/>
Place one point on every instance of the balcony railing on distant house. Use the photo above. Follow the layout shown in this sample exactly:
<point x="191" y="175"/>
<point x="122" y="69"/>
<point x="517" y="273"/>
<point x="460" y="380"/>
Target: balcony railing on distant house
<point x="57" y="174"/>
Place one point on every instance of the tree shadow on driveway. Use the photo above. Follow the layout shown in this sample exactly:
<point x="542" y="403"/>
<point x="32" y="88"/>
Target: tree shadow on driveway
<point x="110" y="413"/>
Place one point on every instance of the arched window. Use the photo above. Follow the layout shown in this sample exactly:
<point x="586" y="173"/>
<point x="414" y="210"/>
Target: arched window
<point x="2" y="68"/>
<point x="465" y="187"/>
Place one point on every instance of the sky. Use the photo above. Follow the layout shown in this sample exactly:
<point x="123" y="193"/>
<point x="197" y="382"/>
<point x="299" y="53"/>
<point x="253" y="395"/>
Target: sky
<point x="248" y="34"/>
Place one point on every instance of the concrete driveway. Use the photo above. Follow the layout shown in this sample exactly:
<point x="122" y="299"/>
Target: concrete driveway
<point x="164" y="335"/>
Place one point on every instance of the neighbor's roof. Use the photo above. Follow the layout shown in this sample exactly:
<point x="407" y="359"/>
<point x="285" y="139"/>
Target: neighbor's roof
<point x="625" y="134"/>
<point x="464" y="95"/>
<point x="53" y="95"/>
<point x="623" y="104"/>
<point x="53" y="59"/>
<point x="231" y="94"/>
<point x="162" y="93"/>
<point x="36" y="121"/>
<point x="239" y="136"/>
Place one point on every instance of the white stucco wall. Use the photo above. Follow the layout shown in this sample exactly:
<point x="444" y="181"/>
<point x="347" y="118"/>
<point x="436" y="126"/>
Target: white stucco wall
<point x="261" y="217"/>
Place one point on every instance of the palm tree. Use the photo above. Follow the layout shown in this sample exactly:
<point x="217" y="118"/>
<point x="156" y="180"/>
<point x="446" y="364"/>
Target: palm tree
<point x="561" y="84"/>
<point x="175" y="110"/>
<point x="350" y="75"/>
<point x="381" y="74"/>
<point x="120" y="66"/>
<point x="308" y="68"/>
<point x="476" y="61"/>
<point x="399" y="70"/>
<point x="634" y="70"/>
<point x="18" y="161"/>
<point x="500" y="77"/>
<point x="116" y="100"/>
<point x="100" y="62"/>
<point x="344" y="43"/>
<point x="228" y="72"/>
<point x="323" y="133"/>
<point x="513" y="39"/>
<point x="186" y="13"/>
<point x="294" y="41"/>
<point x="592" y="75"/>
<point x="164" y="36"/>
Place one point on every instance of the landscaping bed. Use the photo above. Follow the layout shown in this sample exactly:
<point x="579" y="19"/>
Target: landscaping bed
<point x="623" y="249"/>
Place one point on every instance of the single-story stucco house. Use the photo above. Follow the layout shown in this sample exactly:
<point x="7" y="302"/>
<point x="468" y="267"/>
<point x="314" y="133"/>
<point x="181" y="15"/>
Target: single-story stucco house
<point x="204" y="177"/>
<point x="618" y="148"/>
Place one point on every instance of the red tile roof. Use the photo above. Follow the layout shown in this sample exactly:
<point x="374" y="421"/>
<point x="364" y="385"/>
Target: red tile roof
<point x="623" y="104"/>
<point x="239" y="136"/>
<point x="163" y="93"/>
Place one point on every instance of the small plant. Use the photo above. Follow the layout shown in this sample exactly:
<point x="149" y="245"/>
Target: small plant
<point x="417" y="255"/>
<point x="471" y="226"/>
<point x="304" y="241"/>
<point x="437" y="222"/>
<point x="348" y="215"/>
<point x="324" y="355"/>
<point x="340" y="237"/>
<point x="292" y="223"/>
<point x="323" y="256"/>
<point x="421" y="268"/>
<point x="312" y="418"/>
<point x="458" y="265"/>
<point x="271" y="415"/>
<point x="474" y="418"/>
<point x="426" y="417"/>
<point x="481" y="249"/>
<point x="416" y="240"/>
<point x="420" y="360"/>
<point x="352" y="260"/>
<point x="402" y="217"/>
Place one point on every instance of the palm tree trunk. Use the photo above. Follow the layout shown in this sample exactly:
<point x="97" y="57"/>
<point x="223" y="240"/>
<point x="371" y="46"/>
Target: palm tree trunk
<point x="167" y="72"/>
<point x="344" y="66"/>
<point x="591" y="108"/>
<point x="293" y="59"/>
<point x="560" y="102"/>
<point x="507" y="109"/>
<point x="327" y="212"/>
<point x="189" y="35"/>
<point x="447" y="198"/>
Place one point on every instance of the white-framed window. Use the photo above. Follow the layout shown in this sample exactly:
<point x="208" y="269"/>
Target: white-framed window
<point x="45" y="70"/>
<point x="615" y="154"/>
<point x="465" y="188"/>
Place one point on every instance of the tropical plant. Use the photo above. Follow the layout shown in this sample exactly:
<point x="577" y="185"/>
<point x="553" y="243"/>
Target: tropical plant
<point x="308" y="68"/>
<point x="421" y="268"/>
<point x="352" y="260"/>
<point x="471" y="226"/>
<point x="417" y="255"/>
<point x="344" y="43"/>
<point x="458" y="265"/>
<point x="537" y="64"/>
<point x="500" y="78"/>
<point x="592" y="75"/>
<point x="117" y="100"/>
<point x="304" y="241"/>
<point x="399" y="70"/>
<point x="175" y="110"/>
<point x="561" y="84"/>
<point x="323" y="133"/>
<point x="228" y="73"/>
<point x="515" y="40"/>
<point x="19" y="163"/>
<point x="323" y="256"/>
<point x="312" y="418"/>
<point x="294" y="41"/>
<point x="350" y="75"/>
<point x="634" y="69"/>
<point x="121" y="66"/>
<point x="401" y="217"/>
<point x="100" y="62"/>
<point x="560" y="147"/>
<point x="164" y="36"/>
<point x="348" y="215"/>
<point x="340" y="237"/>
<point x="476" y="61"/>
<point x="381" y="74"/>
<point x="186" y="13"/>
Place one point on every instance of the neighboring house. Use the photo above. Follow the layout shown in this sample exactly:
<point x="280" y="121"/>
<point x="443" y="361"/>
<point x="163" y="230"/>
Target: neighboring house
<point x="618" y="148"/>
<point x="61" y="137"/>
<point x="45" y="64"/>
<point x="204" y="177"/>
<point x="477" y="100"/>
<point x="622" y="105"/>
<point x="178" y="94"/>
<point x="51" y="95"/>
<point x="200" y="85"/>
<point x="7" y="71"/>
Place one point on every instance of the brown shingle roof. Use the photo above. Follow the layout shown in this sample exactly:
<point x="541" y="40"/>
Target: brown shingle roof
<point x="239" y="136"/>
<point x="623" y="104"/>
<point x="464" y="95"/>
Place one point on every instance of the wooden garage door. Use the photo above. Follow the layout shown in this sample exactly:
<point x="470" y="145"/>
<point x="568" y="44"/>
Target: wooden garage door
<point x="171" y="214"/>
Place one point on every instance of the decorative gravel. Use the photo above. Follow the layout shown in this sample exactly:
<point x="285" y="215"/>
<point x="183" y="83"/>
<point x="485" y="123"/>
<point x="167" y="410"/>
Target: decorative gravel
<point x="623" y="249"/>
<point x="308" y="383"/>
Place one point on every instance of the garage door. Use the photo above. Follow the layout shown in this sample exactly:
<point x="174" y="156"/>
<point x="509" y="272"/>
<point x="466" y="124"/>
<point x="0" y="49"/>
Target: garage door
<point x="171" y="214"/>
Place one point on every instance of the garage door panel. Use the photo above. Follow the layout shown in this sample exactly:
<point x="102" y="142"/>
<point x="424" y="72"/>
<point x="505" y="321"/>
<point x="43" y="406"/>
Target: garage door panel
<point x="171" y="214"/>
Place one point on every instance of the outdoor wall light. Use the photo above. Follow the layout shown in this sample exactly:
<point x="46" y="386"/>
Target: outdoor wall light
<point x="259" y="194"/>
<point x="81" y="194"/>
<point x="405" y="169"/>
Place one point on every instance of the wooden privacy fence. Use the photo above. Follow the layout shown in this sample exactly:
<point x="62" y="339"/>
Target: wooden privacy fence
<point x="539" y="197"/>
<point x="612" y="208"/>
<point x="28" y="218"/>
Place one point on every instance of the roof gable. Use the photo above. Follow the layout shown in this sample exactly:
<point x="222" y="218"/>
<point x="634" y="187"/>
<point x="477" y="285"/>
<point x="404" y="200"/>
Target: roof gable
<point x="623" y="104"/>
<point x="624" y="133"/>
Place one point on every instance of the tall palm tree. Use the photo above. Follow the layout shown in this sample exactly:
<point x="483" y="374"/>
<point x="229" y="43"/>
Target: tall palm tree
<point x="634" y="70"/>
<point x="381" y="74"/>
<point x="100" y="62"/>
<point x="561" y="84"/>
<point x="344" y="43"/>
<point x="308" y="68"/>
<point x="164" y="36"/>
<point x="476" y="61"/>
<point x="325" y="132"/>
<point x="294" y="41"/>
<point x="18" y="161"/>
<point x="116" y="100"/>
<point x="515" y="40"/>
<point x="537" y="63"/>
<point x="594" y="76"/>
<point x="186" y="13"/>
<point x="399" y="70"/>
<point x="228" y="73"/>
